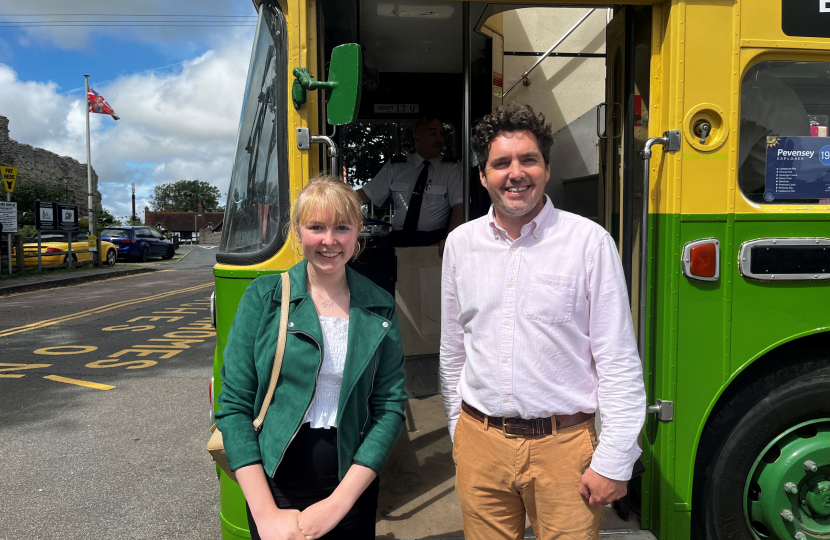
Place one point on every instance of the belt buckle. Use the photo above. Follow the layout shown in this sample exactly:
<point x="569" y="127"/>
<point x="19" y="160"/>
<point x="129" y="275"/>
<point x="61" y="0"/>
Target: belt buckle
<point x="504" y="430"/>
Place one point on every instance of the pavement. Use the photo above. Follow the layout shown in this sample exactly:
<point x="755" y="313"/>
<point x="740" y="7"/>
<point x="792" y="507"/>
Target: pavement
<point x="88" y="274"/>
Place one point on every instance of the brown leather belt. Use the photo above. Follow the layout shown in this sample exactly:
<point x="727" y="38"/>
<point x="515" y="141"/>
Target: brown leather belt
<point x="519" y="427"/>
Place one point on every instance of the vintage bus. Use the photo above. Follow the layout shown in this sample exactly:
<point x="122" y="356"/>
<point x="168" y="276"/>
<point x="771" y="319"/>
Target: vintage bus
<point x="711" y="171"/>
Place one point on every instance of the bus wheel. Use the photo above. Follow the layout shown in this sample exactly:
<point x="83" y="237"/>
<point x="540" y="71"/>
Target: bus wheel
<point x="767" y="469"/>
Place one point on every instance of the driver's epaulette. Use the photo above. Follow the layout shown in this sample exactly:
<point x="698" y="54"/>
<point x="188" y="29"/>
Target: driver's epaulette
<point x="447" y="159"/>
<point x="400" y="158"/>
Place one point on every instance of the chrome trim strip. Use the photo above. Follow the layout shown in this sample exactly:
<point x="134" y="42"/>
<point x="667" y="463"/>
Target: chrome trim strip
<point x="686" y="260"/>
<point x="745" y="259"/>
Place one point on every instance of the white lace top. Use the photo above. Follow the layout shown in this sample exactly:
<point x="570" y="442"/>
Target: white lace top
<point x="323" y="410"/>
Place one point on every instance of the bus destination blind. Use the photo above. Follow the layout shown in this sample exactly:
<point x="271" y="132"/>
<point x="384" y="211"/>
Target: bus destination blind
<point x="806" y="18"/>
<point x="797" y="168"/>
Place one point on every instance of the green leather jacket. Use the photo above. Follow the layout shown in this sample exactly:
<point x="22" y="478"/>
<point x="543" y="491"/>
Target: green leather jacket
<point x="370" y="412"/>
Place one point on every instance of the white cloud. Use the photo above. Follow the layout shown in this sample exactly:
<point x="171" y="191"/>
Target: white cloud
<point x="173" y="126"/>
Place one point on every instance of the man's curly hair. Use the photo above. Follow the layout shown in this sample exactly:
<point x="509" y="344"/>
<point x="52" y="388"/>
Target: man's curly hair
<point x="511" y="117"/>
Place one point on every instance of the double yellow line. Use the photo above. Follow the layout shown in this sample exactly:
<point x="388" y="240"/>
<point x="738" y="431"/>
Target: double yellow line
<point x="50" y="322"/>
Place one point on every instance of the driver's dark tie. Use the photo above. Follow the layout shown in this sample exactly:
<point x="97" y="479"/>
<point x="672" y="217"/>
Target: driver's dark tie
<point x="410" y="223"/>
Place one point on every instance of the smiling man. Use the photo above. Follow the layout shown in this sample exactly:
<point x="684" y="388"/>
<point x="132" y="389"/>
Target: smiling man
<point x="536" y="335"/>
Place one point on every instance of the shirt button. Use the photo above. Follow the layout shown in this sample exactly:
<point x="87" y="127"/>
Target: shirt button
<point x="506" y="400"/>
<point x="504" y="360"/>
<point x="385" y="324"/>
<point x="513" y="249"/>
<point x="509" y="285"/>
<point x="507" y="323"/>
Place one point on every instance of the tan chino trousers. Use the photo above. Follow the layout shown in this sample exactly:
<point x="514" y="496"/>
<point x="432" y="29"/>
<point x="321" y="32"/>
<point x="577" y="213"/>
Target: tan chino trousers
<point x="499" y="479"/>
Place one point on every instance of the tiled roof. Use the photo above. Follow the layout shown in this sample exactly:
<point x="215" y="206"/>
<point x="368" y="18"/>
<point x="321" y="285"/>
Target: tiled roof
<point x="182" y="221"/>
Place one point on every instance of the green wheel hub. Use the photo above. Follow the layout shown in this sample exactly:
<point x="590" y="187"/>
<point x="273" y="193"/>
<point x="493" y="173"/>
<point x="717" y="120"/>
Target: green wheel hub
<point x="787" y="494"/>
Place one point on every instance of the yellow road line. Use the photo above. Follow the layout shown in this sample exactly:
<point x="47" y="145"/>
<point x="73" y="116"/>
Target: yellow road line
<point x="102" y="309"/>
<point x="79" y="383"/>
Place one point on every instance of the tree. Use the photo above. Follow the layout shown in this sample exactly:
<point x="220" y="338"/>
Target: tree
<point x="185" y="196"/>
<point x="26" y="193"/>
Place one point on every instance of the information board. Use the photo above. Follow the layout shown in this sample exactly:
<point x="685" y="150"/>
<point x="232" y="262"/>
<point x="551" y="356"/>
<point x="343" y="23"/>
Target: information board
<point x="46" y="216"/>
<point x="67" y="217"/>
<point x="797" y="168"/>
<point x="8" y="216"/>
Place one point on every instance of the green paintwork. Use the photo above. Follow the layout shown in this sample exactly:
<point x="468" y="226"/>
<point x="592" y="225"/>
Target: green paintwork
<point x="342" y="89"/>
<point x="701" y="335"/>
<point x="779" y="484"/>
<point x="230" y="286"/>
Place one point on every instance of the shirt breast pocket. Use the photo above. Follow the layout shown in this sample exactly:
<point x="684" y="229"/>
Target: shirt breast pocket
<point x="435" y="195"/>
<point x="550" y="298"/>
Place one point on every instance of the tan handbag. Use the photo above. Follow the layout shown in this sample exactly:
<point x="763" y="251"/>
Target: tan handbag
<point x="215" y="445"/>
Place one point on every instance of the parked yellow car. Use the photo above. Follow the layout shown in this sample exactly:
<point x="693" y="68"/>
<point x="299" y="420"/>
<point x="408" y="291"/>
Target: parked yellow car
<point x="55" y="245"/>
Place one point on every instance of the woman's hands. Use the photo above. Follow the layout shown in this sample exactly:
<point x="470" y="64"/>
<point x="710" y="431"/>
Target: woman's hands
<point x="321" y="517"/>
<point x="279" y="525"/>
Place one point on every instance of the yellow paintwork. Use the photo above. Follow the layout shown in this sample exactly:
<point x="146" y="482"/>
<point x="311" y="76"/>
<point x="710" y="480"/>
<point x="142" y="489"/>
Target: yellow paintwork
<point x="690" y="71"/>
<point x="690" y="76"/>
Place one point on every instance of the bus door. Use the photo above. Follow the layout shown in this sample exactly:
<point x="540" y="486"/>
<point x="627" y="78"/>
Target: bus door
<point x="628" y="44"/>
<point x="628" y="38"/>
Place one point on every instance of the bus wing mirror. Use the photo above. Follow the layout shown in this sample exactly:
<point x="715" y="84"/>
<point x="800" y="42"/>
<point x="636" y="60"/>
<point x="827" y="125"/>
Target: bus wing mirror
<point x="343" y="87"/>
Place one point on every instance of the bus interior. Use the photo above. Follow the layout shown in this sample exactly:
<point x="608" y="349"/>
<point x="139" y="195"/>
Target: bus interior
<point x="593" y="89"/>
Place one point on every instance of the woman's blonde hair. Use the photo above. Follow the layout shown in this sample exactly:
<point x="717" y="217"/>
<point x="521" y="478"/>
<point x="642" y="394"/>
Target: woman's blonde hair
<point x="327" y="198"/>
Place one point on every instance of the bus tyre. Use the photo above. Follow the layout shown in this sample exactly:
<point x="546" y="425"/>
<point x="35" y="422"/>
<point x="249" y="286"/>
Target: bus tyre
<point x="756" y="448"/>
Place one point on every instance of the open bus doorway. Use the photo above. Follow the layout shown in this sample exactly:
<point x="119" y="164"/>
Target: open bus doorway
<point x="414" y="66"/>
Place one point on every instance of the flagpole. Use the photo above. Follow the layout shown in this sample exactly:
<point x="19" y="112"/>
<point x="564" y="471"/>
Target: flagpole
<point x="88" y="158"/>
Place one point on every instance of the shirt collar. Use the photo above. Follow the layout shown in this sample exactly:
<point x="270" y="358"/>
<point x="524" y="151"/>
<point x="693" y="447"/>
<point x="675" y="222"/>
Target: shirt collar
<point x="535" y="226"/>
<point x="418" y="161"/>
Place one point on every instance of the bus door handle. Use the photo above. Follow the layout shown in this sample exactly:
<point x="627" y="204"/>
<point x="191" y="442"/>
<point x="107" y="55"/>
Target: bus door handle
<point x="305" y="139"/>
<point x="663" y="409"/>
<point x="603" y="106"/>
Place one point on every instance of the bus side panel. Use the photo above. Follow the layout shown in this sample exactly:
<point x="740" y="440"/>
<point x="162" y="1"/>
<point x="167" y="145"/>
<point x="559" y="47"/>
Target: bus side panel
<point x="229" y="292"/>
<point x="702" y="339"/>
<point x="768" y="313"/>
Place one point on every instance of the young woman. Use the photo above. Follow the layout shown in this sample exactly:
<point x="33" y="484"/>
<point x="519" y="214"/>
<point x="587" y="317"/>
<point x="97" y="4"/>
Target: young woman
<point x="312" y="471"/>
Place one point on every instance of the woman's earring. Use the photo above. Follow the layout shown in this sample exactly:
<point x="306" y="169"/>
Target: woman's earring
<point x="298" y="248"/>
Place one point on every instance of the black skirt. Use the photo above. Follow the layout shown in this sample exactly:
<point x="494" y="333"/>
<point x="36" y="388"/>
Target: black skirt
<point x="308" y="474"/>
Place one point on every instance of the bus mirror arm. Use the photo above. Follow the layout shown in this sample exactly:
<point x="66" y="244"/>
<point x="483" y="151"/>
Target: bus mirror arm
<point x="671" y="143"/>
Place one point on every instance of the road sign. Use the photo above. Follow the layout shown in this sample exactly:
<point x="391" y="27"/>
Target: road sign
<point x="8" y="216"/>
<point x="45" y="216"/>
<point x="9" y="178"/>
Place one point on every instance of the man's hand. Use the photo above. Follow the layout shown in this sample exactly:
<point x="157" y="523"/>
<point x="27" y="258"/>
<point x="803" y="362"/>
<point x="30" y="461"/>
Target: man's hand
<point x="321" y="517"/>
<point x="599" y="490"/>
<point x="280" y="525"/>
<point x="441" y="248"/>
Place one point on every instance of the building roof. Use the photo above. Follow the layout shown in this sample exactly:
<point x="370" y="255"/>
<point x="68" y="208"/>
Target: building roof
<point x="182" y="221"/>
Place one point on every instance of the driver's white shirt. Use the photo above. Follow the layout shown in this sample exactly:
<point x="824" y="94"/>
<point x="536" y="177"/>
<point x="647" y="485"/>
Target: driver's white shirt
<point x="443" y="190"/>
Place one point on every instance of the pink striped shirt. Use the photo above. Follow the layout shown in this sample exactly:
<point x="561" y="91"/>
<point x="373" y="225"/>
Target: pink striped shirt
<point x="541" y="325"/>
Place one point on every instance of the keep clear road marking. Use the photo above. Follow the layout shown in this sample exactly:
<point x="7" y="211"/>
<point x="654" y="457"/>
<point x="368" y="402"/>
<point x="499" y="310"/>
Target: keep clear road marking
<point x="88" y="384"/>
<point x="102" y="309"/>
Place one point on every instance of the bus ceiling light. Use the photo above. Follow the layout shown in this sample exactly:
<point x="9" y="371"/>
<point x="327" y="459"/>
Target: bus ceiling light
<point x="701" y="260"/>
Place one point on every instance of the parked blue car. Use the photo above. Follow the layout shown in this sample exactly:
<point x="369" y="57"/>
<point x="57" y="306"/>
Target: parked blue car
<point x="139" y="242"/>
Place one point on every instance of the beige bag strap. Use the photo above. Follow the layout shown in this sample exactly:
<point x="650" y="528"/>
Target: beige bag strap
<point x="275" y="371"/>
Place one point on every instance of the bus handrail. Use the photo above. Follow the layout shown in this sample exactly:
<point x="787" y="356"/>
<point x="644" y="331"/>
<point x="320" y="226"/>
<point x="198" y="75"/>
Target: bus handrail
<point x="552" y="47"/>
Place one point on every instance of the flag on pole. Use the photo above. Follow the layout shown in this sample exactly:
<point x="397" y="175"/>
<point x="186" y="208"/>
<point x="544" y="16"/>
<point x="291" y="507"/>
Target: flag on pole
<point x="97" y="104"/>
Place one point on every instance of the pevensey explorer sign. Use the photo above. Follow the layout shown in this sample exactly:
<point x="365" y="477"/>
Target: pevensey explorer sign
<point x="806" y="18"/>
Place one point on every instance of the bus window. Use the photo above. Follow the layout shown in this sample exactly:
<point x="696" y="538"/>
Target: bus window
<point x="257" y="201"/>
<point x="784" y="133"/>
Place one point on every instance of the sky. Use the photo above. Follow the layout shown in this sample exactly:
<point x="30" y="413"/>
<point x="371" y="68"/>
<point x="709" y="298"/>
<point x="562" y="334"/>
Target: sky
<point x="177" y="88"/>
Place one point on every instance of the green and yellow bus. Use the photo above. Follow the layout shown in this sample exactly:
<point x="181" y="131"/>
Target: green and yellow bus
<point x="712" y="174"/>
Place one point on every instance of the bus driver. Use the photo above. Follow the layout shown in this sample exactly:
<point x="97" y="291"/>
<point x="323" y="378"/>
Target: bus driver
<point x="423" y="182"/>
